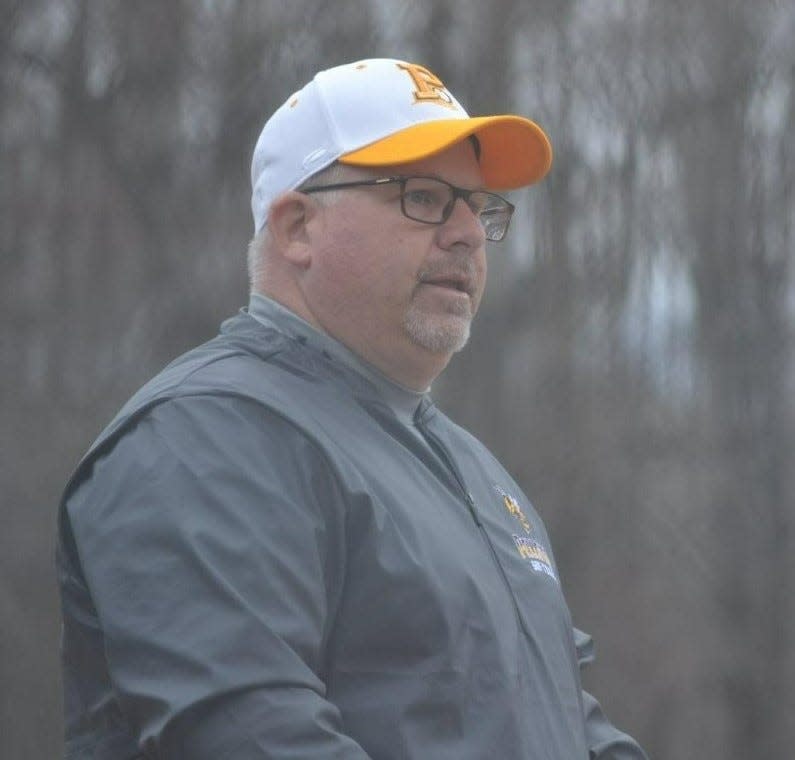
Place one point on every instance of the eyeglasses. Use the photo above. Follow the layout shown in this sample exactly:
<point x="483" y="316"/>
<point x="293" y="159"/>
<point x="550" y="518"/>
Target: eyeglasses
<point x="431" y="201"/>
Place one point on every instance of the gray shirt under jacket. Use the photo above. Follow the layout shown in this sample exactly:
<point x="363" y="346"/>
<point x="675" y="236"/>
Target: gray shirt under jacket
<point x="259" y="559"/>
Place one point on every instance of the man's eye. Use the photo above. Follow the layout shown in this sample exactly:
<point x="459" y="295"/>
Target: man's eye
<point x="423" y="197"/>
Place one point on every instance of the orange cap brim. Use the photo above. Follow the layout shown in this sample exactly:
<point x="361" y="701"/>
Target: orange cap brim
<point x="514" y="151"/>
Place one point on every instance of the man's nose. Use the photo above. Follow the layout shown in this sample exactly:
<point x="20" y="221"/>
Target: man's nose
<point x="463" y="226"/>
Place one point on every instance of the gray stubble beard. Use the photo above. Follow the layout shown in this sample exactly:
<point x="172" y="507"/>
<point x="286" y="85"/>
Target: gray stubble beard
<point x="437" y="333"/>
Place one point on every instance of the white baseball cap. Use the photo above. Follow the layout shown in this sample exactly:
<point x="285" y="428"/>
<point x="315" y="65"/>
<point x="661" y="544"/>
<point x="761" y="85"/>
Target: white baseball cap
<point x="383" y="112"/>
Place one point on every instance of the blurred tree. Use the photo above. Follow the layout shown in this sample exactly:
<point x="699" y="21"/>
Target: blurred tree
<point x="740" y="270"/>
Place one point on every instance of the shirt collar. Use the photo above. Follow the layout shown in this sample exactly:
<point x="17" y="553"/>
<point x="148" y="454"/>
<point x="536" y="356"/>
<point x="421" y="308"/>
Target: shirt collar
<point x="403" y="401"/>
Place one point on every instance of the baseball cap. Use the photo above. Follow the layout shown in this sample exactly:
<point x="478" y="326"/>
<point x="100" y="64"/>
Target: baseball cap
<point x="384" y="112"/>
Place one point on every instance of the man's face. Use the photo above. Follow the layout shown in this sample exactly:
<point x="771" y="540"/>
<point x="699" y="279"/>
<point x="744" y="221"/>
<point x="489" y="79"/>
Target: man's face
<point x="392" y="289"/>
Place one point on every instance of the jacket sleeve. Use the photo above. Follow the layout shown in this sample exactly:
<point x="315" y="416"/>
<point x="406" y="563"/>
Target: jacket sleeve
<point x="605" y="741"/>
<point x="210" y="541"/>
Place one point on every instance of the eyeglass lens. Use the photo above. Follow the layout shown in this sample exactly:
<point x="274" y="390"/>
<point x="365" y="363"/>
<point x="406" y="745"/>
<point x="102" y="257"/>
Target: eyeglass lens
<point x="429" y="200"/>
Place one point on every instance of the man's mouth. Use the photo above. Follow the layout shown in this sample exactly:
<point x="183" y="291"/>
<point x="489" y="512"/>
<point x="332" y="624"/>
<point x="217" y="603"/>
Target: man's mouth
<point x="457" y="282"/>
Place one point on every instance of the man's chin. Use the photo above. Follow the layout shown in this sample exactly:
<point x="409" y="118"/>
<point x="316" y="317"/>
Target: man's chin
<point x="440" y="334"/>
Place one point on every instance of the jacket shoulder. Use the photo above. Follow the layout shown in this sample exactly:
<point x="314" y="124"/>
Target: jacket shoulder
<point x="245" y="360"/>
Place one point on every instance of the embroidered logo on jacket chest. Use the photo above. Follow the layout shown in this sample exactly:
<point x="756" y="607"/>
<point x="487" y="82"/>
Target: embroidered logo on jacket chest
<point x="528" y="548"/>
<point x="514" y="509"/>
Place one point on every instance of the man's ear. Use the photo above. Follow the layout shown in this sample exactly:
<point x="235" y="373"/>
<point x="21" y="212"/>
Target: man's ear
<point x="288" y="220"/>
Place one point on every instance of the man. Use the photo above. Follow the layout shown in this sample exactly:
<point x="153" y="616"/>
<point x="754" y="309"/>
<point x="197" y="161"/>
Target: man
<point x="280" y="548"/>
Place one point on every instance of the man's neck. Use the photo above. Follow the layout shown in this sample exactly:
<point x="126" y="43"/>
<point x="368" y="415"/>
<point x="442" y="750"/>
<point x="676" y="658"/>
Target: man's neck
<point x="413" y="370"/>
<point x="274" y="314"/>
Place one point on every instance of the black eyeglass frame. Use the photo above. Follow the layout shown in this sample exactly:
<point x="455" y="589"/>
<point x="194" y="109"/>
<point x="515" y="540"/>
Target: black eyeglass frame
<point x="457" y="192"/>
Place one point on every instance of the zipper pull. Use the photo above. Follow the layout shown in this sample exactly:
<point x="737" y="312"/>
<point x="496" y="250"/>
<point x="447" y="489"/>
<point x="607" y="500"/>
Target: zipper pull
<point x="473" y="510"/>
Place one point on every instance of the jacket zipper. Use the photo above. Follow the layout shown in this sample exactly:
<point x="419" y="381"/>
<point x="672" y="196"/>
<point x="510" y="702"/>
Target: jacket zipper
<point x="440" y="448"/>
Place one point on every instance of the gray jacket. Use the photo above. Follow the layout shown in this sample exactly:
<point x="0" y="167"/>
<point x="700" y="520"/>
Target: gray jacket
<point x="258" y="560"/>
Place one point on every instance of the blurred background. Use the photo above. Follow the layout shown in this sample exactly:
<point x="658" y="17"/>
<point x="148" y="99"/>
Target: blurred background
<point x="633" y="364"/>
